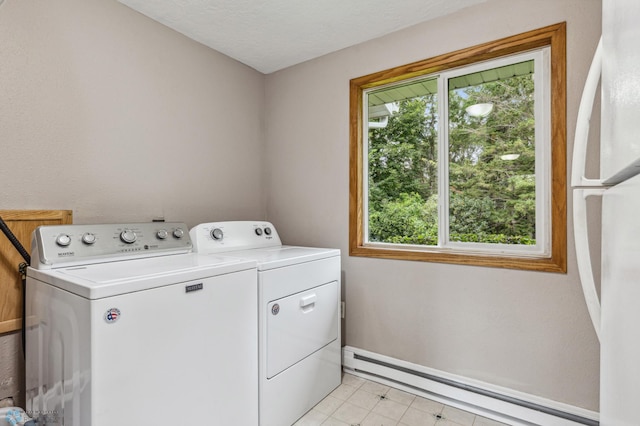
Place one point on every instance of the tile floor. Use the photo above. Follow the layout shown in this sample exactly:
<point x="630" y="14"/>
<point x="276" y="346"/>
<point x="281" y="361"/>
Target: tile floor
<point x="360" y="402"/>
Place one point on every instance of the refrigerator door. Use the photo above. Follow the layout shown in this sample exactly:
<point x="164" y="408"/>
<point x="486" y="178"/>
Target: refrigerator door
<point x="620" y="326"/>
<point x="620" y="146"/>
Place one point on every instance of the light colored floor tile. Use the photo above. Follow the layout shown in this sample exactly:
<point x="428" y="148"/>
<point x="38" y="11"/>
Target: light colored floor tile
<point x="343" y="392"/>
<point x="458" y="416"/>
<point x="483" y="421"/>
<point x="351" y="380"/>
<point x="364" y="399"/>
<point x="445" y="422"/>
<point x="402" y="397"/>
<point x="328" y="405"/>
<point x="374" y="419"/>
<point x="375" y="388"/>
<point x="415" y="417"/>
<point x="334" y="422"/>
<point x="391" y="409"/>
<point x="361" y="402"/>
<point x="427" y="405"/>
<point x="349" y="413"/>
<point x="312" y="418"/>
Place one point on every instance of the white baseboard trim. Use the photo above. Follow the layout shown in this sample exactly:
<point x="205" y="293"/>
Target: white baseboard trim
<point x="484" y="399"/>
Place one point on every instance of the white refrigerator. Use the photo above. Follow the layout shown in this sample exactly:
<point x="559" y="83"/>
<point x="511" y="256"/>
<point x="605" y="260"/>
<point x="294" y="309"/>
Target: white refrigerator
<point x="615" y="312"/>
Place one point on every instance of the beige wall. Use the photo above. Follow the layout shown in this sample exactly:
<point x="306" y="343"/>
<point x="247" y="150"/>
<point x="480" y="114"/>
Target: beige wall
<point x="524" y="330"/>
<point x="118" y="118"/>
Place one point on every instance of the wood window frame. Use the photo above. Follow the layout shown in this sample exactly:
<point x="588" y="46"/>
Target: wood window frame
<point x="553" y="36"/>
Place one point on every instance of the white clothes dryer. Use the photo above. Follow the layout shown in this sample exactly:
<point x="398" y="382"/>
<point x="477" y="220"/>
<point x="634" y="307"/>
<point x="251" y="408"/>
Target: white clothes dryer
<point x="298" y="315"/>
<point x="127" y="326"/>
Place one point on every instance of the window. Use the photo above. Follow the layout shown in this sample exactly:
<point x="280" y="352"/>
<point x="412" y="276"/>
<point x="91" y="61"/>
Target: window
<point x="461" y="158"/>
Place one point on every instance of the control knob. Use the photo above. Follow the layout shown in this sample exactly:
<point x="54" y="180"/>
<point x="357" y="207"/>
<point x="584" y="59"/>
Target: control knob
<point x="88" y="238"/>
<point x="63" y="240"/>
<point x="178" y="233"/>
<point x="267" y="230"/>
<point x="258" y="231"/>
<point x="128" y="236"/>
<point x="217" y="234"/>
<point x="162" y="234"/>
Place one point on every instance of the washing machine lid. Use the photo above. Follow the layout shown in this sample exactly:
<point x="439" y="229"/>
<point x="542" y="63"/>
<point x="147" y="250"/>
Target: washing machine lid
<point x="279" y="257"/>
<point x="99" y="280"/>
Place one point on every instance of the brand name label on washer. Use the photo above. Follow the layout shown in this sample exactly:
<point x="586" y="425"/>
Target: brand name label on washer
<point x="193" y="287"/>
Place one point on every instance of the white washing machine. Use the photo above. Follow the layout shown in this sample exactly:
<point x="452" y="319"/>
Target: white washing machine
<point x="298" y="315"/>
<point x="127" y="326"/>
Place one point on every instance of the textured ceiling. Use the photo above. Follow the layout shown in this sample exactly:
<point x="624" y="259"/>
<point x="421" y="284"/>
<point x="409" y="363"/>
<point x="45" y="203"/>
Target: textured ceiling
<point x="270" y="35"/>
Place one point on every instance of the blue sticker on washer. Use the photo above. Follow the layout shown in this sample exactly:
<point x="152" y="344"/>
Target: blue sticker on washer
<point x="112" y="315"/>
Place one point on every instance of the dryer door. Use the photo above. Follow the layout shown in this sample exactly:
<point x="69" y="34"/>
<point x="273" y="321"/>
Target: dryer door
<point x="300" y="324"/>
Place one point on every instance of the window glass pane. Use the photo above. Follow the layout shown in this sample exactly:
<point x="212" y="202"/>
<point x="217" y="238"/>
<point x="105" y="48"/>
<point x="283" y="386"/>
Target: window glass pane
<point x="491" y="141"/>
<point x="402" y="164"/>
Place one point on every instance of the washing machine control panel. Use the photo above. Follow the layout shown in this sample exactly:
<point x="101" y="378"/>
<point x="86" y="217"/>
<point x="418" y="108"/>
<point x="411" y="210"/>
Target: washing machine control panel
<point x="59" y="245"/>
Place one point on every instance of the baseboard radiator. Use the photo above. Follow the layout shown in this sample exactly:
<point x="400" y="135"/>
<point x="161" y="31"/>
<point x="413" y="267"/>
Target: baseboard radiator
<point x="501" y="404"/>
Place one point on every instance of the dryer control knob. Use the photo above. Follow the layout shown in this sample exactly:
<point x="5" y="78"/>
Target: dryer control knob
<point x="217" y="234"/>
<point x="63" y="240"/>
<point x="267" y="230"/>
<point x="88" y="238"/>
<point x="178" y="233"/>
<point x="162" y="234"/>
<point x="128" y="236"/>
<point x="258" y="231"/>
